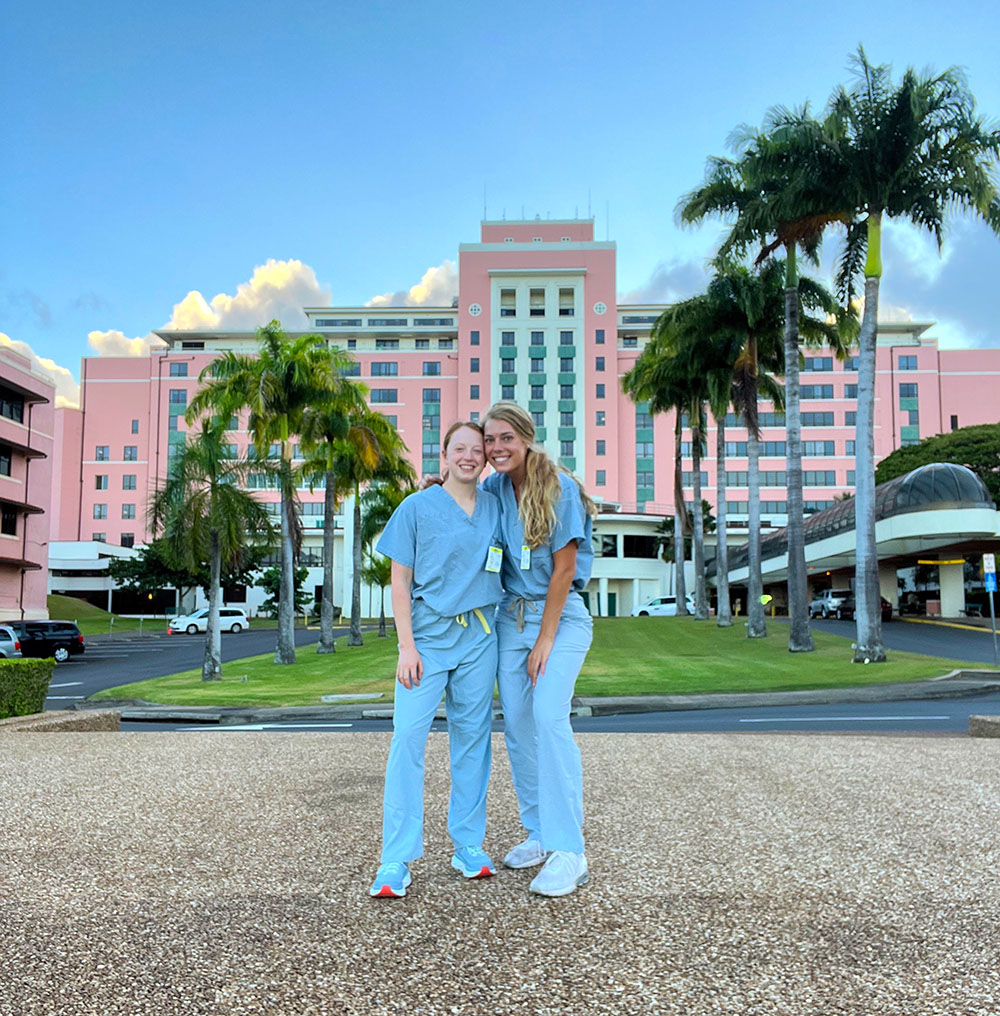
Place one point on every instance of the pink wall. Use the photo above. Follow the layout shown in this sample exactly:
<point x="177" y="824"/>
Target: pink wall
<point x="23" y="590"/>
<point x="66" y="468"/>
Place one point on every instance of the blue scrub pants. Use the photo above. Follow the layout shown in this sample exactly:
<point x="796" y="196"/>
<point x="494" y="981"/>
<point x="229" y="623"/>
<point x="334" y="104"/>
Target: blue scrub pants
<point x="544" y="758"/>
<point x="460" y="662"/>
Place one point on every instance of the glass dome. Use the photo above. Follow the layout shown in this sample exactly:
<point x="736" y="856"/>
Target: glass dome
<point x="935" y="486"/>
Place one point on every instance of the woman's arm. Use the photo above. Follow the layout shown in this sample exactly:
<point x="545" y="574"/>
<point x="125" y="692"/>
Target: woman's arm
<point x="409" y="668"/>
<point x="563" y="570"/>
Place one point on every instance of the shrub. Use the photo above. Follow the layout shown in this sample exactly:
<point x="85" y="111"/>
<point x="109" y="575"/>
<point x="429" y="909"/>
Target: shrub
<point x="23" y="686"/>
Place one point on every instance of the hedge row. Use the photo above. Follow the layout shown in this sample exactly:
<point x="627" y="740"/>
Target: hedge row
<point x="23" y="686"/>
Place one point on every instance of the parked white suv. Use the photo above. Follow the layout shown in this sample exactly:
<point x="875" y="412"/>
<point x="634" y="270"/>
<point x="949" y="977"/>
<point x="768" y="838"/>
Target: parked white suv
<point x="827" y="602"/>
<point x="662" y="606"/>
<point x="230" y="619"/>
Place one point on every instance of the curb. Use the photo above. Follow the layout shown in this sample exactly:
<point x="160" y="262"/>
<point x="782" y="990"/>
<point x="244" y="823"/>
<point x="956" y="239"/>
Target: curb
<point x="957" y="684"/>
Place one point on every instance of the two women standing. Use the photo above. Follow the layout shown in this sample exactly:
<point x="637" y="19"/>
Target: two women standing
<point x="541" y="548"/>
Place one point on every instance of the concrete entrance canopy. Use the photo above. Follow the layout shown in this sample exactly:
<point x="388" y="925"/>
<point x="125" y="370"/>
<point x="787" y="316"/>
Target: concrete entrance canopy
<point x="942" y="508"/>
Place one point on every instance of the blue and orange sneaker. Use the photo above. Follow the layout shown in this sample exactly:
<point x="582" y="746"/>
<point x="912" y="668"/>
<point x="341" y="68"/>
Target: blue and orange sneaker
<point x="391" y="880"/>
<point x="473" y="862"/>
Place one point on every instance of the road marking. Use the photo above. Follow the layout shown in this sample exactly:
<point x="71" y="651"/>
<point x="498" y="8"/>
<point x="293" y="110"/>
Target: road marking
<point x="262" y="726"/>
<point x="66" y="684"/>
<point x="47" y="697"/>
<point x="829" y="719"/>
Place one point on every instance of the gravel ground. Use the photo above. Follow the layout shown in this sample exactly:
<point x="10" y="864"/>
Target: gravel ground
<point x="228" y="874"/>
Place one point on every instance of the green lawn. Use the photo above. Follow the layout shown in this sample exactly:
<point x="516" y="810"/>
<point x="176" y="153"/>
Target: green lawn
<point x="630" y="656"/>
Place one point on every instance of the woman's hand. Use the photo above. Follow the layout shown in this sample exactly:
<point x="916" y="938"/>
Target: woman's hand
<point x="409" y="668"/>
<point x="538" y="657"/>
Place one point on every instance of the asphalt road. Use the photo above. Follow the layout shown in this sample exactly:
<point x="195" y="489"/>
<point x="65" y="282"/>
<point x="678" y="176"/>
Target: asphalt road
<point x="928" y="639"/>
<point x="938" y="716"/>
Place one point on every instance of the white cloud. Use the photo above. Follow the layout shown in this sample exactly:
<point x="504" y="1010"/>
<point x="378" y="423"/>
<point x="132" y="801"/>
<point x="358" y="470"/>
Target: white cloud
<point x="277" y="289"/>
<point x="67" y="388"/>
<point x="437" y="288"/>
<point x="669" y="283"/>
<point x="916" y="249"/>
<point x="116" y="343"/>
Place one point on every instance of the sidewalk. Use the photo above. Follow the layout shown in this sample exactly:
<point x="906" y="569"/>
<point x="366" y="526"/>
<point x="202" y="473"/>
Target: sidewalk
<point x="185" y="875"/>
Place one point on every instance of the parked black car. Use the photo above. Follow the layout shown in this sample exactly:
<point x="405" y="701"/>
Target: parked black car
<point x="60" y="639"/>
<point x="845" y="612"/>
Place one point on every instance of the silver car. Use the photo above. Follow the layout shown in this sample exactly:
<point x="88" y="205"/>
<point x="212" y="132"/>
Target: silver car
<point x="10" y="647"/>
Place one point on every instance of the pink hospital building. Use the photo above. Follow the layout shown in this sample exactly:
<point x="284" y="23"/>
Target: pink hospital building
<point x="536" y="320"/>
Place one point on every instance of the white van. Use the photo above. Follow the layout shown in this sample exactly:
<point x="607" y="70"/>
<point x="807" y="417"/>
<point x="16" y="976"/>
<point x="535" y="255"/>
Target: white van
<point x="662" y="606"/>
<point x="230" y="619"/>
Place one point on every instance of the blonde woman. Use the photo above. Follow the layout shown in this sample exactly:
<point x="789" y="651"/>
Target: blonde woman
<point x="544" y="631"/>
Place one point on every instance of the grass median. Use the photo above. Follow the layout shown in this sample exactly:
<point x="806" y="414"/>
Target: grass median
<point x="630" y="656"/>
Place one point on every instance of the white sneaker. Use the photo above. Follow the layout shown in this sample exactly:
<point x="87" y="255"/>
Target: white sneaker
<point x="525" y="855"/>
<point x="564" y="871"/>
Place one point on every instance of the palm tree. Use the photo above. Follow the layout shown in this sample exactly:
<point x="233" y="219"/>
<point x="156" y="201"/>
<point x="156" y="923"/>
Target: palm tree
<point x="378" y="572"/>
<point x="204" y="515"/>
<point x="276" y="387"/>
<point x="774" y="207"/>
<point x="907" y="151"/>
<point x="372" y="451"/>
<point x="324" y="427"/>
<point x="661" y="379"/>
<point x="884" y="150"/>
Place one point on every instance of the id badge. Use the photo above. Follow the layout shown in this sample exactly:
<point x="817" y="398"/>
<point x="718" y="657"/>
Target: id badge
<point x="525" y="557"/>
<point x="493" y="559"/>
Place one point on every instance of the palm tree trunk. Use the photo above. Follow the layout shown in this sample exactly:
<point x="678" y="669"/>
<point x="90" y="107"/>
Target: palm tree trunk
<point x="381" y="617"/>
<point x="800" y="638"/>
<point x="355" y="637"/>
<point x="755" y="584"/>
<point x="723" y="614"/>
<point x="700" y="598"/>
<point x="680" y="583"/>
<point x="326" y="641"/>
<point x="869" y="648"/>
<point x="285" y="650"/>
<point x="211" y="668"/>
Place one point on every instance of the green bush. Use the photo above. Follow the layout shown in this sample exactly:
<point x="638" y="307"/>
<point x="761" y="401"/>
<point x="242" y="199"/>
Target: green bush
<point x="23" y="686"/>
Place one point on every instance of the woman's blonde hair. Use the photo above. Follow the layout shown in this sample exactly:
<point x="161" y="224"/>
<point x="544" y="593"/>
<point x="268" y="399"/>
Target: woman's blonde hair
<point x="541" y="489"/>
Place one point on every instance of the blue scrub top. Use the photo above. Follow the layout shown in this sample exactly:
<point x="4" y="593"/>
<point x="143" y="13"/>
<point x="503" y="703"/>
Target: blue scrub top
<point x="572" y="523"/>
<point x="446" y="549"/>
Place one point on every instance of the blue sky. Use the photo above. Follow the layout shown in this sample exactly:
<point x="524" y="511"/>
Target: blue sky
<point x="157" y="150"/>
